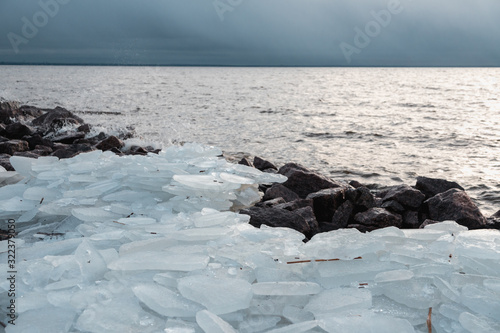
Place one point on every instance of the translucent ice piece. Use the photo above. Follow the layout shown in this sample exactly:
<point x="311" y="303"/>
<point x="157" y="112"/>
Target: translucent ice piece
<point x="397" y="275"/>
<point x="165" y="301"/>
<point x="150" y="260"/>
<point x="22" y="165"/>
<point x="418" y="293"/>
<point x="211" y="323"/>
<point x="45" y="319"/>
<point x="218" y="295"/>
<point x="365" y="322"/>
<point x="90" y="214"/>
<point x="286" y="288"/>
<point x="296" y="328"/>
<point x="335" y="300"/>
<point x="477" y="324"/>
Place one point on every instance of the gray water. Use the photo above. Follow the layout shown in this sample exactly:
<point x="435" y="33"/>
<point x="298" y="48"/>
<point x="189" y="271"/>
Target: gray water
<point x="376" y="125"/>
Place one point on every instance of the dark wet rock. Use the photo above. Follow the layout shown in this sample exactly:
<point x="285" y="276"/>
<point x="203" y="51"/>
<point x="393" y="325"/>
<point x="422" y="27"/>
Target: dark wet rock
<point x="393" y="206"/>
<point x="17" y="131"/>
<point x="405" y="195"/>
<point x="493" y="222"/>
<point x="85" y="128"/>
<point x="432" y="186"/>
<point x="57" y="118"/>
<point x="410" y="219"/>
<point x="246" y="161"/>
<point x="3" y="139"/>
<point x="8" y="111"/>
<point x="361" y="197"/>
<point x="326" y="202"/>
<point x="27" y="113"/>
<point x="427" y="222"/>
<point x="496" y="215"/>
<point x="109" y="143"/>
<point x="71" y="150"/>
<point x="117" y="151"/>
<point x="37" y="140"/>
<point x="273" y="171"/>
<point x="308" y="214"/>
<point x="12" y="146"/>
<point x="378" y="218"/>
<point x="274" y="217"/>
<point x="456" y="205"/>
<point x="296" y="204"/>
<point x="5" y="162"/>
<point x="277" y="191"/>
<point x="304" y="181"/>
<point x="262" y="164"/>
<point x="69" y="137"/>
<point x="342" y="215"/>
<point x="355" y="184"/>
<point x="42" y="150"/>
<point x="270" y="203"/>
<point x="30" y="154"/>
<point x="137" y="150"/>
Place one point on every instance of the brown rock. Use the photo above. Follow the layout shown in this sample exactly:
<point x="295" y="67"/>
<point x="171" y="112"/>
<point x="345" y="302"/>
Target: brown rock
<point x="326" y="202"/>
<point x="378" y="218"/>
<point x="456" y="205"/>
<point x="109" y="143"/>
<point x="247" y="162"/>
<point x="262" y="164"/>
<point x="432" y="186"/>
<point x="275" y="217"/>
<point x="405" y="195"/>
<point x="296" y="204"/>
<point x="361" y="197"/>
<point x="12" y="146"/>
<point x="17" y="131"/>
<point x="5" y="162"/>
<point x="304" y="181"/>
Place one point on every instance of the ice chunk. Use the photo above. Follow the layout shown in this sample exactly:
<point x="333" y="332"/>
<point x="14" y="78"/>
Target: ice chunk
<point x="481" y="300"/>
<point x="165" y="301"/>
<point x="16" y="204"/>
<point x="477" y="324"/>
<point x="92" y="265"/>
<point x="89" y="214"/>
<point x="211" y="323"/>
<point x="296" y="314"/>
<point x="258" y="323"/>
<point x="219" y="295"/>
<point x="156" y="260"/>
<point x="335" y="300"/>
<point x="418" y="293"/>
<point x="22" y="165"/>
<point x="296" y="328"/>
<point x="365" y="322"/>
<point x="286" y="288"/>
<point x="397" y="275"/>
<point x="45" y="319"/>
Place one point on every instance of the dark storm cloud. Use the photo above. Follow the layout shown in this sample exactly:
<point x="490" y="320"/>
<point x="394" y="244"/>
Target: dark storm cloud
<point x="252" y="32"/>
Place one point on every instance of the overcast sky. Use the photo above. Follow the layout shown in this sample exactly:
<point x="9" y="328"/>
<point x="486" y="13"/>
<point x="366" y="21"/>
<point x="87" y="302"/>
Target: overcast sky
<point x="252" y="32"/>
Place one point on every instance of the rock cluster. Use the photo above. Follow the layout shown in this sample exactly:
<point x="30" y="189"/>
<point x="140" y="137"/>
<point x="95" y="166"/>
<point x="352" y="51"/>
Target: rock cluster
<point x="312" y="203"/>
<point x="32" y="132"/>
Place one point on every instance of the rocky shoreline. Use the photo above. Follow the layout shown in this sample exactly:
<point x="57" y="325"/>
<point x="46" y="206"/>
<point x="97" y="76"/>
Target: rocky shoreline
<point x="307" y="202"/>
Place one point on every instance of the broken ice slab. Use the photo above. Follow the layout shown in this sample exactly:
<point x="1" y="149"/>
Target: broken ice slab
<point x="122" y="314"/>
<point x="154" y="244"/>
<point x="42" y="249"/>
<point x="31" y="301"/>
<point x="91" y="214"/>
<point x="217" y="295"/>
<point x="92" y="264"/>
<point x="479" y="244"/>
<point x="339" y="299"/>
<point x="396" y="275"/>
<point x="45" y="319"/>
<point x="205" y="182"/>
<point x="211" y="323"/>
<point x="447" y="289"/>
<point x="258" y="323"/>
<point x="165" y="301"/>
<point x="17" y="204"/>
<point x="481" y="300"/>
<point x="211" y="217"/>
<point x="296" y="328"/>
<point x="137" y="221"/>
<point x="418" y="293"/>
<point x="387" y="307"/>
<point x="41" y="194"/>
<point x="22" y="165"/>
<point x="296" y="314"/>
<point x="156" y="260"/>
<point x="365" y="321"/>
<point x="474" y="323"/>
<point x="286" y="288"/>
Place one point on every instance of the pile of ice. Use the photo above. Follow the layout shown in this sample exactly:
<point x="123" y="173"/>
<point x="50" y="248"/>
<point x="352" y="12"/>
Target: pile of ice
<point x="153" y="244"/>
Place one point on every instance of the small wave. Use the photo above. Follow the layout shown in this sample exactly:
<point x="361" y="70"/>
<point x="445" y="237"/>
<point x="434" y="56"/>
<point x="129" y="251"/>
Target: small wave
<point x="325" y="135"/>
<point x="417" y="105"/>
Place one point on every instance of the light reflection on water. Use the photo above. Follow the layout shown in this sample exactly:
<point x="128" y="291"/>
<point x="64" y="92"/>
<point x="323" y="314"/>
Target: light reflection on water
<point x="376" y="125"/>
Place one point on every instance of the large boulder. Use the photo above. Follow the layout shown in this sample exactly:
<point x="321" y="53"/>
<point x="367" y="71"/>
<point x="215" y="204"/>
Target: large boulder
<point x="375" y="218"/>
<point x="277" y="191"/>
<point x="405" y="195"/>
<point x="275" y="217"/>
<point x="262" y="164"/>
<point x="55" y="119"/>
<point x="110" y="143"/>
<point x="432" y="186"/>
<point x="304" y="181"/>
<point x="17" y="131"/>
<point x="361" y="197"/>
<point x="326" y="202"/>
<point x="456" y="205"/>
<point x="342" y="215"/>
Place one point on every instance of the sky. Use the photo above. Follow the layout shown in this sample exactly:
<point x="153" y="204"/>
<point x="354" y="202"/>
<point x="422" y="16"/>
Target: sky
<point x="252" y="32"/>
